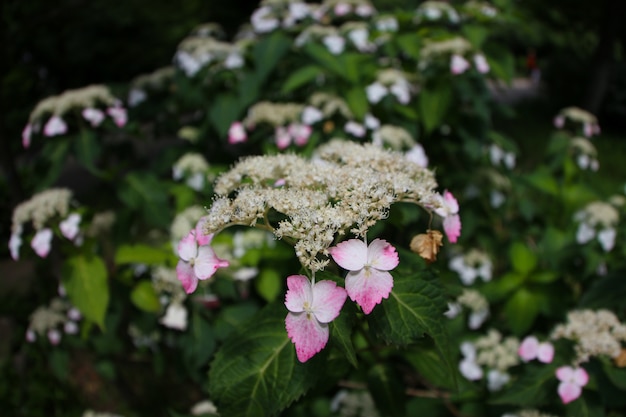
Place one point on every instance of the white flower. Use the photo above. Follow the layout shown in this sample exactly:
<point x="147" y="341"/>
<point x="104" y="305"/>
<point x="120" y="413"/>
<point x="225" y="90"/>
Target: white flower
<point x="458" y="64"/>
<point x="334" y="43"/>
<point x="233" y="60"/>
<point x="55" y="126"/>
<point x="263" y="21"/>
<point x="496" y="380"/>
<point x="136" y="96"/>
<point x="497" y="199"/>
<point x="14" y="245"/>
<point x="481" y="63"/>
<point x="375" y="92"/>
<point x="454" y="309"/>
<point x="41" y="242"/>
<point x="606" y="237"/>
<point x="387" y="24"/>
<point x="175" y="317"/>
<point x="360" y="39"/>
<point x="418" y="155"/>
<point x="188" y="63"/>
<point x="298" y="10"/>
<point x="477" y="318"/>
<point x="93" y="116"/>
<point x="355" y="129"/>
<point x="311" y="115"/>
<point x="196" y="181"/>
<point x="371" y="122"/>
<point x="400" y="89"/>
<point x="70" y="226"/>
<point x="584" y="233"/>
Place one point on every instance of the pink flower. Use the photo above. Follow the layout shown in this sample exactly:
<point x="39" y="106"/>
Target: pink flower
<point x="300" y="133"/>
<point x="531" y="349"/>
<point x="236" y="133"/>
<point x="196" y="262"/>
<point x="311" y="307"/>
<point x="55" y="126"/>
<point x="70" y="226"/>
<point x="559" y="121"/>
<point x="368" y="281"/>
<point x="342" y="9"/>
<point x="451" y="221"/>
<point x="282" y="137"/>
<point x="572" y="382"/>
<point x="41" y="242"/>
<point x="26" y="135"/>
<point x="458" y="64"/>
<point x="54" y="336"/>
<point x="93" y="116"/>
<point x="118" y="114"/>
<point x="481" y="63"/>
<point x="201" y="237"/>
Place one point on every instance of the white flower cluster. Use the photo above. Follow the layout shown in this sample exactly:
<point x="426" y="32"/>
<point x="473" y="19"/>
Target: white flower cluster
<point x="354" y="404"/>
<point x="435" y="10"/>
<point x="471" y="265"/>
<point x="498" y="156"/>
<point x="185" y="221"/>
<point x="156" y="80"/>
<point x="196" y="52"/>
<point x="390" y="81"/>
<point x="49" y="320"/>
<point x="595" y="333"/>
<point x="273" y="14"/>
<point x="396" y="137"/>
<point x="346" y="187"/>
<point x="193" y="167"/>
<point x="597" y="219"/>
<point x="475" y="302"/>
<point x="493" y="352"/>
<point x="275" y="114"/>
<point x="585" y="153"/>
<point x="577" y="115"/>
<point x="330" y="104"/>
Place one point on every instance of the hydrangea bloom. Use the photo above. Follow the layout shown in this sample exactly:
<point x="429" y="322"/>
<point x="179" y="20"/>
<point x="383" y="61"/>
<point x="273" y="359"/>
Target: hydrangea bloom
<point x="311" y="307"/>
<point x="70" y="226"/>
<point x="93" y="116"/>
<point x="41" y="242"/>
<point x="531" y="349"/>
<point x="118" y="114"/>
<point x="458" y="64"/>
<point x="368" y="281"/>
<point x="197" y="261"/>
<point x="572" y="382"/>
<point x="55" y="126"/>
<point x="236" y="133"/>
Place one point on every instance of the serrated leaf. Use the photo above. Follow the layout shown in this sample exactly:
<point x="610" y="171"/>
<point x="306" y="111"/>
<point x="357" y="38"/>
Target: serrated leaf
<point x="522" y="258"/>
<point x="145" y="297"/>
<point x="341" y="333"/>
<point x="415" y="308"/>
<point x="386" y="390"/>
<point x="533" y="388"/>
<point x="434" y="102"/>
<point x="85" y="281"/>
<point x="256" y="372"/>
<point x="429" y="364"/>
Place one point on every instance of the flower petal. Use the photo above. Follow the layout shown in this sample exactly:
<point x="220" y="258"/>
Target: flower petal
<point x="545" y="353"/>
<point x="470" y="370"/>
<point x="368" y="287"/>
<point x="452" y="227"/>
<point x="41" y="242"/>
<point x="569" y="392"/>
<point x="187" y="247"/>
<point x="309" y="335"/>
<point x="381" y="255"/>
<point x="580" y="377"/>
<point x="201" y="237"/>
<point x="298" y="293"/>
<point x="328" y="299"/>
<point x="207" y="262"/>
<point x="350" y="254"/>
<point x="528" y="349"/>
<point x="565" y="373"/>
<point x="186" y="275"/>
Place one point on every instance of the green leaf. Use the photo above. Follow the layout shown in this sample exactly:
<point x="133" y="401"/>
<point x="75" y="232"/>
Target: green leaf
<point x="357" y="101"/>
<point x="522" y="309"/>
<point x="533" y="388"/>
<point x="232" y="317"/>
<point x="145" y="297"/>
<point x="434" y="102"/>
<point x="341" y="333"/>
<point x="476" y="34"/>
<point x="85" y="280"/>
<point x="301" y="77"/>
<point x="56" y="152"/>
<point x="144" y="254"/>
<point x="87" y="149"/>
<point x="605" y="292"/>
<point x="224" y="111"/>
<point x="143" y="191"/>
<point x="410" y="44"/>
<point x="268" y="51"/>
<point x="500" y="288"/>
<point x="581" y="407"/>
<point x="269" y="284"/>
<point x="415" y="307"/>
<point x="325" y="58"/>
<point x="429" y="364"/>
<point x="543" y="277"/>
<point x="199" y="342"/>
<point x="522" y="258"/>
<point x="387" y="391"/>
<point x="256" y="372"/>
<point x="542" y="180"/>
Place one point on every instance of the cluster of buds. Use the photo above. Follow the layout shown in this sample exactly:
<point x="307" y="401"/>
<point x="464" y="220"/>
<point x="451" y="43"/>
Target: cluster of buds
<point x="53" y="320"/>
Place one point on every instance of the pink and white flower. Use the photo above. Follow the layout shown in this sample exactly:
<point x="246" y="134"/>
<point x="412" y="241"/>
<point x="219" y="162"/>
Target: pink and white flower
<point x="282" y="137"/>
<point x="237" y="133"/>
<point x="197" y="262"/>
<point x="458" y="64"/>
<point x="342" y="9"/>
<point x="70" y="226"/>
<point x="41" y="242"/>
<point x="55" y="126"/>
<point x="311" y="115"/>
<point x="26" y="135"/>
<point x="572" y="382"/>
<point x="311" y="307"/>
<point x="93" y="116"/>
<point x="531" y="349"/>
<point x="368" y="280"/>
<point x="54" y="336"/>
<point x="449" y="210"/>
<point x="300" y="133"/>
<point x="118" y="114"/>
<point x="14" y="245"/>
<point x="481" y="63"/>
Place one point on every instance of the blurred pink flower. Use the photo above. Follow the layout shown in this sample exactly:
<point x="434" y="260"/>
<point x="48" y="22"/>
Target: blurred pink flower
<point x="572" y="382"/>
<point x="55" y="126"/>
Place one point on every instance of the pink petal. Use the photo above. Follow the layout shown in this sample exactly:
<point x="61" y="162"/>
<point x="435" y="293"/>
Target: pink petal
<point x="300" y="133"/>
<point x="569" y="392"/>
<point x="55" y="126"/>
<point x="118" y="114"/>
<point x="298" y="293"/>
<point x="350" y="254"/>
<point x="70" y="226"/>
<point x="282" y="137"/>
<point x="452" y="227"/>
<point x="201" y="237"/>
<point x="328" y="299"/>
<point x="565" y="373"/>
<point x="186" y="275"/>
<point x="528" y="349"/>
<point x="368" y="287"/>
<point x="458" y="64"/>
<point x="207" y="262"/>
<point x="41" y="242"/>
<point x="93" y="116"/>
<point x="580" y="377"/>
<point x="545" y="352"/>
<point x="188" y="247"/>
<point x="450" y="201"/>
<point x="381" y="255"/>
<point x="26" y="135"/>
<point x="236" y="133"/>
<point x="309" y="335"/>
